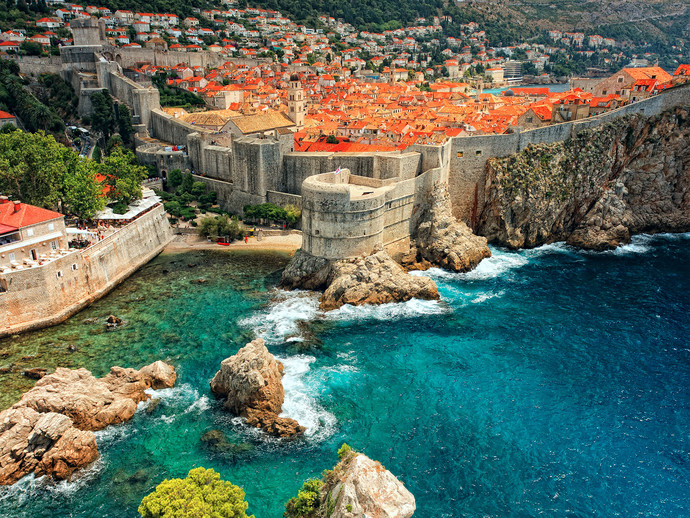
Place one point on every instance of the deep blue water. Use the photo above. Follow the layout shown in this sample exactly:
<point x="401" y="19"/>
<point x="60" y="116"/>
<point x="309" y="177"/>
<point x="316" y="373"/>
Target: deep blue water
<point x="548" y="382"/>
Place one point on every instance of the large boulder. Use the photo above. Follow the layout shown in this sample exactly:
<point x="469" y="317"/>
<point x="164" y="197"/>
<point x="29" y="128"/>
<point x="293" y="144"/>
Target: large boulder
<point x="251" y="384"/>
<point x="50" y="430"/>
<point x="374" y="279"/>
<point x="364" y="488"/>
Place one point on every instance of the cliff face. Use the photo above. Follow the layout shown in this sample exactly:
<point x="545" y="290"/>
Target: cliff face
<point x="595" y="190"/>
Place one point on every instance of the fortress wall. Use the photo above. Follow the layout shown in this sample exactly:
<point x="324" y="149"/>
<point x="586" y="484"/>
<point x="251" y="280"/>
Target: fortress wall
<point x="169" y="129"/>
<point x="223" y="189"/>
<point x="35" y="66"/>
<point x="545" y="135"/>
<point x="336" y="225"/>
<point x="396" y="165"/>
<point x="282" y="199"/>
<point x="129" y="57"/>
<point x="40" y="297"/>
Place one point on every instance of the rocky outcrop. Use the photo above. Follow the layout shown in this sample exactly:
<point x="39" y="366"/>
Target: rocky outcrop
<point x="368" y="279"/>
<point x="50" y="430"/>
<point x="595" y="190"/>
<point x="251" y="384"/>
<point x="357" y="487"/>
<point x="441" y="240"/>
<point x="365" y="488"/>
<point x="374" y="279"/>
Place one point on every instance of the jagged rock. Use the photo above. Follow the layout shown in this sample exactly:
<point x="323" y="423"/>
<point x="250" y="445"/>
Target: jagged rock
<point x="364" y="488"/>
<point x="36" y="373"/>
<point x="306" y="271"/>
<point x="113" y="320"/>
<point x="49" y="431"/>
<point x="374" y="279"/>
<point x="251" y="383"/>
<point x="441" y="240"/>
<point x="595" y="190"/>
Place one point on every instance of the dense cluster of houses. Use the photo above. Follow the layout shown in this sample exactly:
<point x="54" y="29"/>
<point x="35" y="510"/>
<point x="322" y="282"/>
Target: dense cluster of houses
<point x="346" y="112"/>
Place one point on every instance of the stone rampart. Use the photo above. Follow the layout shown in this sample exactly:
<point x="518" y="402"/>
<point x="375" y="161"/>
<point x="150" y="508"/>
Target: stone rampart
<point x="346" y="215"/>
<point x="468" y="155"/>
<point x="45" y="295"/>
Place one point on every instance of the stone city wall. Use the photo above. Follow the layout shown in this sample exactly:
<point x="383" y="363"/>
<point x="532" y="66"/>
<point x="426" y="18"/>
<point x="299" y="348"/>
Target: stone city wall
<point x="129" y="57"/>
<point x="46" y="295"/>
<point x="468" y="155"/>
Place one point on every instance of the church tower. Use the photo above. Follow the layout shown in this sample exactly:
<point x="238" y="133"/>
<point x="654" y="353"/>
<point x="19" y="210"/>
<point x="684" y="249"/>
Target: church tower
<point x="297" y="105"/>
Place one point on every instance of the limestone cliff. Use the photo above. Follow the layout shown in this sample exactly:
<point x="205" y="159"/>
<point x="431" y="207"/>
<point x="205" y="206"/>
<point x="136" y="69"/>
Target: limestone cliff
<point x="595" y="190"/>
<point x="50" y="430"/>
<point x="251" y="384"/>
<point x="440" y="240"/>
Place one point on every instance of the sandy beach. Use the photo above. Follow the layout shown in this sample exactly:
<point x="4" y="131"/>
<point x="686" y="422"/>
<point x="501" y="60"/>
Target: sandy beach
<point x="288" y="242"/>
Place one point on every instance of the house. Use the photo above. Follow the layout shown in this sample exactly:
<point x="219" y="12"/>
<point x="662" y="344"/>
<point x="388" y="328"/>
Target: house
<point x="8" y="46"/>
<point x="48" y="23"/>
<point x="273" y="122"/>
<point x="7" y="118"/>
<point x="621" y="83"/>
<point x="28" y="233"/>
<point x="536" y="116"/>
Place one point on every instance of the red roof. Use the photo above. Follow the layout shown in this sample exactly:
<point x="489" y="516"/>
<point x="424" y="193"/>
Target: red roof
<point x="5" y="115"/>
<point x="4" y="229"/>
<point x="26" y="215"/>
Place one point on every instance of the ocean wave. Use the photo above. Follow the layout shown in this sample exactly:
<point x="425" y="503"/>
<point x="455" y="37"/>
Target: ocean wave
<point x="483" y="297"/>
<point x="498" y="264"/>
<point x="279" y="322"/>
<point x="389" y="311"/>
<point x="301" y="402"/>
<point x="30" y="487"/>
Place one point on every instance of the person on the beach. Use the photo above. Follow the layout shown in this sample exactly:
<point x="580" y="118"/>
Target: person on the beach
<point x="246" y="239"/>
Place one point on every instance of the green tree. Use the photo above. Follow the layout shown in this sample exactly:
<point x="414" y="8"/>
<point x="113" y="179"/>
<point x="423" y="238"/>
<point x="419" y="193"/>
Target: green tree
<point x="124" y="175"/>
<point x="102" y="114"/>
<point x="97" y="155"/>
<point x="187" y="183"/>
<point x="202" y="494"/>
<point x="82" y="194"/>
<point x="175" y="178"/>
<point x="124" y="124"/>
<point x="331" y="139"/>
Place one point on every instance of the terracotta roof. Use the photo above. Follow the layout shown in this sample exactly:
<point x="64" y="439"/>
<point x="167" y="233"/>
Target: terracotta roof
<point x="25" y="216"/>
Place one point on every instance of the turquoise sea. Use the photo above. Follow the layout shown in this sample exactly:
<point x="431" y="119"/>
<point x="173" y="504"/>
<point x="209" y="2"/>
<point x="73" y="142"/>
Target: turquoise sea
<point x="547" y="382"/>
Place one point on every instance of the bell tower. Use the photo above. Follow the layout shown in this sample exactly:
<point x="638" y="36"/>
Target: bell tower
<point x="297" y="105"/>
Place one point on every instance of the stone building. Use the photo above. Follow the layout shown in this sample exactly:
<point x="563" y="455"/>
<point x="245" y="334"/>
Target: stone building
<point x="28" y="234"/>
<point x="297" y="105"/>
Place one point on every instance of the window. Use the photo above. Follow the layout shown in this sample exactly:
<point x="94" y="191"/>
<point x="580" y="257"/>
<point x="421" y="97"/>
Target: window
<point x="529" y="119"/>
<point x="12" y="257"/>
<point x="620" y="79"/>
<point x="29" y="232"/>
<point x="51" y="226"/>
<point x="34" y="254"/>
<point x="75" y="267"/>
<point x="53" y="245"/>
<point x="478" y="152"/>
<point x="316" y="232"/>
<point x="3" y="285"/>
<point x="460" y="153"/>
<point x="59" y="274"/>
<point x="603" y="93"/>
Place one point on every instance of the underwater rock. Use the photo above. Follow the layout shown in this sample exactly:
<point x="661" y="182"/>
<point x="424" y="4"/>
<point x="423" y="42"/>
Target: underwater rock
<point x="113" y="320"/>
<point x="35" y="373"/>
<point x="50" y="430"/>
<point x="251" y="383"/>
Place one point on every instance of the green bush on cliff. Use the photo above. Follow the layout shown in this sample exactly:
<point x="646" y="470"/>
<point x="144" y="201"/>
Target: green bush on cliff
<point x="307" y="501"/>
<point x="201" y="494"/>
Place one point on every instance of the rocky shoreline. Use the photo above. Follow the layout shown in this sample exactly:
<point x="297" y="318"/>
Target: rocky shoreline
<point x="595" y="190"/>
<point x="375" y="278"/>
<point x="50" y="430"/>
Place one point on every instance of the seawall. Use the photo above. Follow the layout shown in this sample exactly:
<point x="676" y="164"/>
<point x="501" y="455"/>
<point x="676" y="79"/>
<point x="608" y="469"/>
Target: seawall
<point x="46" y="295"/>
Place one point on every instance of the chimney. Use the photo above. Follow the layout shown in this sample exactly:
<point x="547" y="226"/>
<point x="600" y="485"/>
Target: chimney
<point x="17" y="205"/>
<point x="4" y="199"/>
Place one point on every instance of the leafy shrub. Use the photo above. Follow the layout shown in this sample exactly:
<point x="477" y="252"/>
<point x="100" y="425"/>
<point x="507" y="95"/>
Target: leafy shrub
<point x="344" y="451"/>
<point x="175" y="178"/>
<point x="306" y="502"/>
<point x="120" y="208"/>
<point x="221" y="226"/>
<point x="202" y="493"/>
<point x="173" y="208"/>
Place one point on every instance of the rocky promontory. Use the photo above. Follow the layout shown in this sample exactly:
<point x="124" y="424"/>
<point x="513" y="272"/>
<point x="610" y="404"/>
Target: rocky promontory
<point x="251" y="384"/>
<point x="357" y="487"/>
<point x="440" y="240"/>
<point x="629" y="176"/>
<point x="50" y="430"/>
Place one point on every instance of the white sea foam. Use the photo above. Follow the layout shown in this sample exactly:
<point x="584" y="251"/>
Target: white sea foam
<point x="499" y="263"/>
<point x="486" y="296"/>
<point x="279" y="322"/>
<point x="301" y="399"/>
<point x="29" y="487"/>
<point x="200" y="405"/>
<point x="389" y="311"/>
